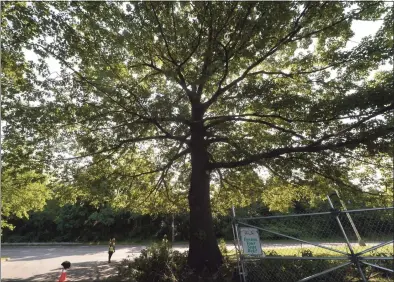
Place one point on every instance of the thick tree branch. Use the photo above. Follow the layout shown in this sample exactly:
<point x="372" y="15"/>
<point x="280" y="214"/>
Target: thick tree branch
<point x="207" y="56"/>
<point x="291" y="75"/>
<point x="154" y="121"/>
<point x="226" y="22"/>
<point x="272" y="51"/>
<point x="132" y="176"/>
<point x="226" y="62"/>
<point x="307" y="148"/>
<point x="355" y="125"/>
<point x="363" y="161"/>
<point x="164" y="37"/>
<point x="334" y="179"/>
<point x="136" y="98"/>
<point x="160" y="169"/>
<point x="292" y="132"/>
<point x="243" y="31"/>
<point x="174" y="26"/>
<point x="290" y="37"/>
<point x="165" y="170"/>
<point x="220" y="119"/>
<point x="85" y="79"/>
<point x="194" y="49"/>
<point x="334" y="24"/>
<point x="121" y="143"/>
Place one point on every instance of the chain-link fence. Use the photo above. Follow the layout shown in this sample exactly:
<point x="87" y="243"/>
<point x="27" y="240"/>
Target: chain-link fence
<point x="337" y="245"/>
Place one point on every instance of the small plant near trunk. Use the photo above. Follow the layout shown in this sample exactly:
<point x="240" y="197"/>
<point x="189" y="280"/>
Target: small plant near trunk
<point x="160" y="263"/>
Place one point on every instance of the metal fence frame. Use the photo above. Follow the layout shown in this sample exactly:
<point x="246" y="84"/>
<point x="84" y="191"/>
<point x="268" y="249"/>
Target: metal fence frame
<point x="352" y="257"/>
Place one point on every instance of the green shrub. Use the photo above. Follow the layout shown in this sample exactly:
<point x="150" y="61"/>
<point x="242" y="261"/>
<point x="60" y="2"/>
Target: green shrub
<point x="159" y="263"/>
<point x="306" y="253"/>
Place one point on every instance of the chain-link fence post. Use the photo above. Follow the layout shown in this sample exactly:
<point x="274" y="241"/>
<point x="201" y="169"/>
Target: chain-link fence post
<point x="240" y="266"/>
<point x="354" y="258"/>
<point x="360" y="241"/>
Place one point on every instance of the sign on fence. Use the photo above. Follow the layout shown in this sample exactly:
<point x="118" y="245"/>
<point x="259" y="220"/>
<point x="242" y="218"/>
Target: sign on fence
<point x="250" y="241"/>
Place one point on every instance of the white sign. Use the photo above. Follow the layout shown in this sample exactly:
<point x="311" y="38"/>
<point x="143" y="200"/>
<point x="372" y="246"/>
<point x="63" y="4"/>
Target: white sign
<point x="250" y="241"/>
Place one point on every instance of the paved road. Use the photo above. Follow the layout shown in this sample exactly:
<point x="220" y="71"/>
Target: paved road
<point x="89" y="263"/>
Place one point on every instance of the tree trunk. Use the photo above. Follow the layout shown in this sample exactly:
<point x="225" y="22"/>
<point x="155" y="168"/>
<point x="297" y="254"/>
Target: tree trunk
<point x="204" y="253"/>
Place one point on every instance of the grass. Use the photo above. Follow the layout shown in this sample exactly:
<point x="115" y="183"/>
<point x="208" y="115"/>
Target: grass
<point x="4" y="258"/>
<point x="282" y="267"/>
<point x="316" y="251"/>
<point x="387" y="250"/>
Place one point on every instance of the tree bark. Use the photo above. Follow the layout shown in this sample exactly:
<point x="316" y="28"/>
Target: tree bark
<point x="204" y="253"/>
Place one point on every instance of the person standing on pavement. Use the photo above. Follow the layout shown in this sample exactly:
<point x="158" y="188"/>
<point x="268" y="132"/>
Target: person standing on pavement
<point x="111" y="250"/>
<point x="113" y="243"/>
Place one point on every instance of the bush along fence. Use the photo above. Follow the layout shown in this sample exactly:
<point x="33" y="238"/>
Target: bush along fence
<point x="336" y="245"/>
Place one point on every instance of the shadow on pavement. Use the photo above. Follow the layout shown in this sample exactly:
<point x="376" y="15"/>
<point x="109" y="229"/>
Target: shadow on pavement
<point x="39" y="253"/>
<point x="85" y="271"/>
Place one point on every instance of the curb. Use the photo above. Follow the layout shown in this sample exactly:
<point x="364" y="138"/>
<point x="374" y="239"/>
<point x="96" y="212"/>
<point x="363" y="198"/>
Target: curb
<point x="42" y="244"/>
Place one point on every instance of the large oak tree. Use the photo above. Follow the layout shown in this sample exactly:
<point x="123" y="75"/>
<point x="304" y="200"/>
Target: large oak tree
<point x="164" y="94"/>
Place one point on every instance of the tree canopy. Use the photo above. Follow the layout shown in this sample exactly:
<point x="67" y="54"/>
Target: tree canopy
<point x="185" y="101"/>
<point x="23" y="182"/>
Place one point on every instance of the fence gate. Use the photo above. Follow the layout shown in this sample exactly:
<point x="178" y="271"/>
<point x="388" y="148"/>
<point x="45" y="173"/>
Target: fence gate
<point x="332" y="246"/>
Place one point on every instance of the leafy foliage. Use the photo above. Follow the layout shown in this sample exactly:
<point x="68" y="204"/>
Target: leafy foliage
<point x="160" y="263"/>
<point x="22" y="192"/>
<point x="129" y="72"/>
<point x="82" y="222"/>
<point x="157" y="263"/>
<point x="24" y="185"/>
